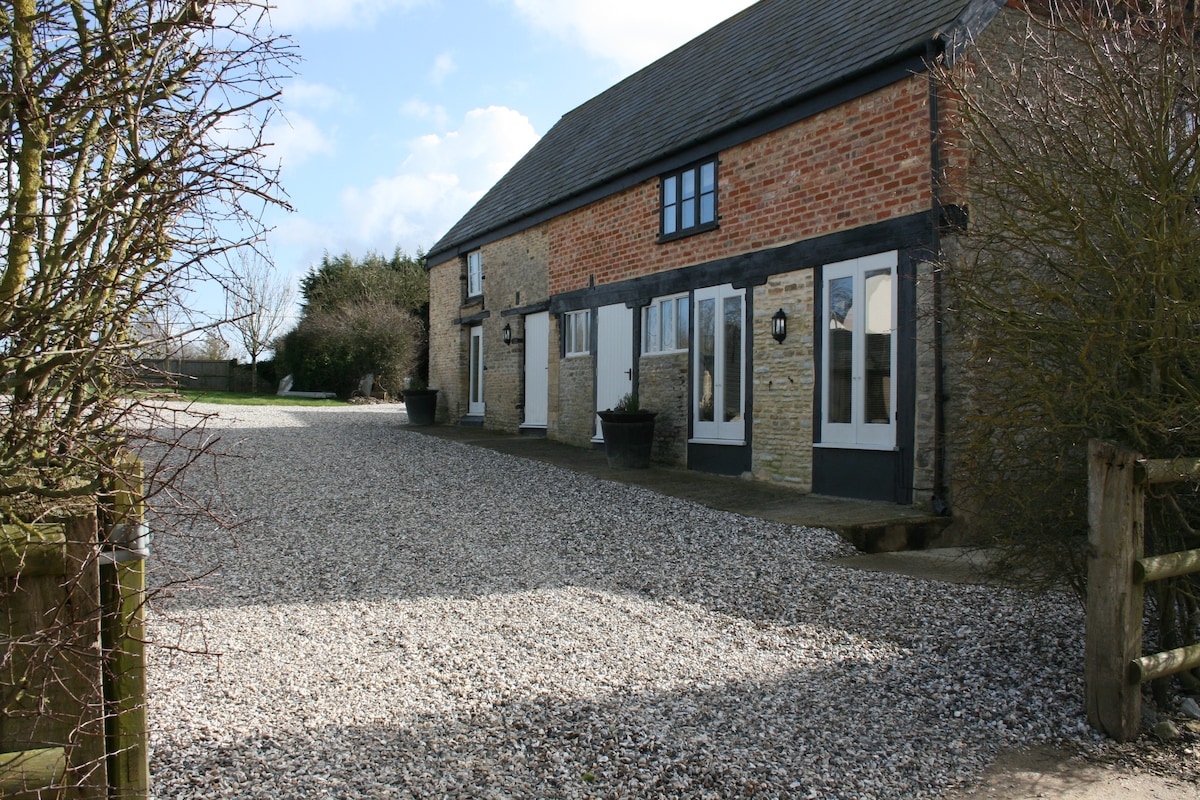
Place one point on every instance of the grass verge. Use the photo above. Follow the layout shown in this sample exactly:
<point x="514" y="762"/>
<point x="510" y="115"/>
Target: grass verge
<point x="247" y="399"/>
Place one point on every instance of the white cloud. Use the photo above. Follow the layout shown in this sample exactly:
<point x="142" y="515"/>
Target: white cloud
<point x="296" y="14"/>
<point x="417" y="108"/>
<point x="294" y="138"/>
<point x="632" y="33"/>
<point x="443" y="67"/>
<point x="302" y="94"/>
<point x="440" y="179"/>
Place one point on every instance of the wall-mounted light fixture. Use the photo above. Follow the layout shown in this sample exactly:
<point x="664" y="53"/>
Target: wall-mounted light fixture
<point x="506" y="335"/>
<point x="779" y="325"/>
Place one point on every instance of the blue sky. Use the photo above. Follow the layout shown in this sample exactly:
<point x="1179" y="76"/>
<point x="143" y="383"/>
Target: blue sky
<point x="404" y="112"/>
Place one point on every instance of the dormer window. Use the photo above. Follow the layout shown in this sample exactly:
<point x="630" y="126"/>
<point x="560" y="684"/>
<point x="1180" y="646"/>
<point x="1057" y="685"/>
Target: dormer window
<point x="688" y="199"/>
<point x="474" y="274"/>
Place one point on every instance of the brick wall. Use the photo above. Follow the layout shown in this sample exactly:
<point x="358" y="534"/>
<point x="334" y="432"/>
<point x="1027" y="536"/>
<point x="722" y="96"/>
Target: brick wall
<point x="859" y="163"/>
<point x="784" y="381"/>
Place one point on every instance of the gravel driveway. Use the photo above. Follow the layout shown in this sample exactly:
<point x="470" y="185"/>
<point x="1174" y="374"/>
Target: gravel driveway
<point x="402" y="616"/>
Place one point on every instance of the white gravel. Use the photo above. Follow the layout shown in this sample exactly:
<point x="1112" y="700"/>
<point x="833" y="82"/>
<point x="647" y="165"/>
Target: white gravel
<point x="401" y="616"/>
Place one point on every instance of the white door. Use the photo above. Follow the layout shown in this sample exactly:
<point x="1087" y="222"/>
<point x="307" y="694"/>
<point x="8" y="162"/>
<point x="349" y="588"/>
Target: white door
<point x="537" y="366"/>
<point x="719" y="365"/>
<point x="858" y="390"/>
<point x="475" y="405"/>
<point x="614" y="357"/>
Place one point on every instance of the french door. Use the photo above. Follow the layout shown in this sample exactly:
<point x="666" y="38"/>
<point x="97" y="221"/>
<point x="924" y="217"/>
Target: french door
<point x="858" y="387"/>
<point x="719" y="365"/>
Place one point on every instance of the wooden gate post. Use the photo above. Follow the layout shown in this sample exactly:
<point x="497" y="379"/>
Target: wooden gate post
<point x="1114" y="600"/>
<point x="123" y="593"/>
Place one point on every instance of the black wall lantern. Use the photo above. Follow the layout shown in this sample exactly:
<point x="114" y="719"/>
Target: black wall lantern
<point x="779" y="325"/>
<point x="506" y="335"/>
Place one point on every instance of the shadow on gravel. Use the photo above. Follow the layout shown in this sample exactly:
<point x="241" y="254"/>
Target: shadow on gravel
<point x="698" y="742"/>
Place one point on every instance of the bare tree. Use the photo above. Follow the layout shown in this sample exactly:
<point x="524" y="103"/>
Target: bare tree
<point x="1076" y="294"/>
<point x="213" y="346"/>
<point x="260" y="306"/>
<point x="130" y="136"/>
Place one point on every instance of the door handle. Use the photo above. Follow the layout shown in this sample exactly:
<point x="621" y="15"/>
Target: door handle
<point x="629" y="373"/>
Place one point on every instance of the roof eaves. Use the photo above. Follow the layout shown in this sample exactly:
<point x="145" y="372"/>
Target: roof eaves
<point x="960" y="34"/>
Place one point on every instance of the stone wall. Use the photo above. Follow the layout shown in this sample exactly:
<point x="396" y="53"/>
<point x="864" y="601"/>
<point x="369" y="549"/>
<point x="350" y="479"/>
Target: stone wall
<point x="575" y="422"/>
<point x="514" y="276"/>
<point x="784" y="381"/>
<point x="446" y="341"/>
<point x="663" y="387"/>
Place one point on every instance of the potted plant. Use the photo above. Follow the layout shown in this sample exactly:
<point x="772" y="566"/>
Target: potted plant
<point x="628" y="433"/>
<point x="420" y="402"/>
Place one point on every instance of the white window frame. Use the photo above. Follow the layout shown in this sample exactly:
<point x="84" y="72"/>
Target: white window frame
<point x="655" y="338"/>
<point x="577" y="333"/>
<point x="475" y="273"/>
<point x="858" y="433"/>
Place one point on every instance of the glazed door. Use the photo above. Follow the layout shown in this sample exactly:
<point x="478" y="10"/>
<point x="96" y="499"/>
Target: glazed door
<point x="475" y="406"/>
<point x="719" y="365"/>
<point x="858" y="396"/>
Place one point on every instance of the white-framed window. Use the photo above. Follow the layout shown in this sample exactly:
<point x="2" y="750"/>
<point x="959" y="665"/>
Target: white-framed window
<point x="474" y="274"/>
<point x="665" y="325"/>
<point x="577" y="330"/>
<point x="858" y="387"/>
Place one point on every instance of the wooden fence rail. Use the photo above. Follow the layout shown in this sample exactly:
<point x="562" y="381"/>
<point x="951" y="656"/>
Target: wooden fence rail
<point x="1114" y="666"/>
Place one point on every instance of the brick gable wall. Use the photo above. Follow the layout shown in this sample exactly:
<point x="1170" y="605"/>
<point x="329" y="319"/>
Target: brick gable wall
<point x="864" y="161"/>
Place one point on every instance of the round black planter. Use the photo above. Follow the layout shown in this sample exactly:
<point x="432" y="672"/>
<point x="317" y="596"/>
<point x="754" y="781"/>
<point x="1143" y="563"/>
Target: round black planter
<point x="421" y="405"/>
<point x="628" y="438"/>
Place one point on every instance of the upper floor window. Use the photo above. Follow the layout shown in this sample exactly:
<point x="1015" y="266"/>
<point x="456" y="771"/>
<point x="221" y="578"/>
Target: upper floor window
<point x="577" y="329"/>
<point x="665" y="325"/>
<point x="689" y="200"/>
<point x="474" y="274"/>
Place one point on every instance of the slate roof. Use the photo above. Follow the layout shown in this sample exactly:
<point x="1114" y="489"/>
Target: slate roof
<point x="771" y="55"/>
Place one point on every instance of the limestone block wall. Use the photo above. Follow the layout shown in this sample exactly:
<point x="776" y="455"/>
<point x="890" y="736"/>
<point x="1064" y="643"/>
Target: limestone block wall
<point x="514" y="277"/>
<point x="663" y="387"/>
<point x="925" y="439"/>
<point x="574" y="422"/>
<point x="446" y="343"/>
<point x="784" y="381"/>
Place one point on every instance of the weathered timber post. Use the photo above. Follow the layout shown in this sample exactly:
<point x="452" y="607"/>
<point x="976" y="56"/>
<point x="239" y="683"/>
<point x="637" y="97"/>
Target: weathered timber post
<point x="1114" y="601"/>
<point x="123" y="594"/>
